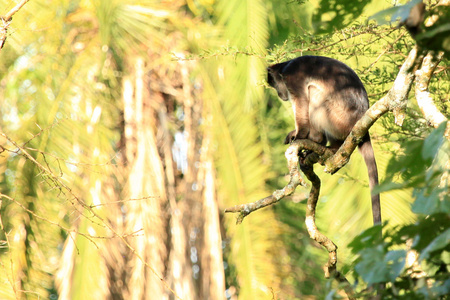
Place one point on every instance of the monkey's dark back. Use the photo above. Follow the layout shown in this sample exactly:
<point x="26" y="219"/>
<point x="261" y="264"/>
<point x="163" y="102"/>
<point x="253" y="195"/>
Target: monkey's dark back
<point x="323" y="68"/>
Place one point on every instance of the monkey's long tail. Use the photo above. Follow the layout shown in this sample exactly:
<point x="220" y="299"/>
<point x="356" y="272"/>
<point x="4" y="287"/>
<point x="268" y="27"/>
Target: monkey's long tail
<point x="369" y="157"/>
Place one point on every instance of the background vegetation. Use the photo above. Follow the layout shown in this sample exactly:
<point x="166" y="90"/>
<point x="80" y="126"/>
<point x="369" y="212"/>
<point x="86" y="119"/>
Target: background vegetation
<point x="128" y="126"/>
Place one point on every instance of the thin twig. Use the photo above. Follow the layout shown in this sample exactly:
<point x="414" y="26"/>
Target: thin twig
<point x="5" y="21"/>
<point x="15" y="9"/>
<point x="389" y="46"/>
<point x="295" y="180"/>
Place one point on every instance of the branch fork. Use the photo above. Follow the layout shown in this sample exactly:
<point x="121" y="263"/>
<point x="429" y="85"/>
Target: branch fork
<point x="295" y="180"/>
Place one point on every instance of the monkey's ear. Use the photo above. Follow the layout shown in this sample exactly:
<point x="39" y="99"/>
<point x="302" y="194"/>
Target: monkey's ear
<point x="274" y="74"/>
<point x="277" y="68"/>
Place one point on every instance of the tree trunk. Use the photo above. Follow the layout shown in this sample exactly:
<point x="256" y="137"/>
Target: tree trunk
<point x="145" y="190"/>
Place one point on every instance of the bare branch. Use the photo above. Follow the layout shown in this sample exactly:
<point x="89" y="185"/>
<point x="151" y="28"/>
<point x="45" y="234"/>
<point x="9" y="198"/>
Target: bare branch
<point x="15" y="9"/>
<point x="3" y="31"/>
<point x="295" y="178"/>
<point x="330" y="267"/>
<point x="424" y="99"/>
<point x="6" y="20"/>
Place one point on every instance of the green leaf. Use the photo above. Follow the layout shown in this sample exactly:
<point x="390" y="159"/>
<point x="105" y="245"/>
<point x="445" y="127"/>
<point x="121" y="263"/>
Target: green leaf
<point x="375" y="266"/>
<point x="368" y="238"/>
<point x="334" y="14"/>
<point x="371" y="267"/>
<point x="389" y="186"/>
<point x="433" y="142"/>
<point x="410" y="163"/>
<point x="423" y="232"/>
<point x="396" y="261"/>
<point x="430" y="202"/>
<point x="393" y="14"/>
<point x="437" y="36"/>
<point x="440" y="242"/>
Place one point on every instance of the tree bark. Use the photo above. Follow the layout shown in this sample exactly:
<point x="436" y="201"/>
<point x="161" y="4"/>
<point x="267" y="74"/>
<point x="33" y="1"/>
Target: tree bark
<point x="423" y="96"/>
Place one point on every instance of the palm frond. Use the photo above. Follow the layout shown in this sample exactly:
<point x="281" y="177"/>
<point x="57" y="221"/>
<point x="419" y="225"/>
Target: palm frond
<point x="242" y="178"/>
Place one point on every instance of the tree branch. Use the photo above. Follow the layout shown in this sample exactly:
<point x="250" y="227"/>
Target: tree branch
<point x="295" y="180"/>
<point x="316" y="235"/>
<point x="424" y="99"/>
<point x="6" y="20"/>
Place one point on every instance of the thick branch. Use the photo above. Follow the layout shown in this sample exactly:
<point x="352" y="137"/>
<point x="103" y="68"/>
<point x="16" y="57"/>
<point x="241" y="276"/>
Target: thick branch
<point x="424" y="99"/>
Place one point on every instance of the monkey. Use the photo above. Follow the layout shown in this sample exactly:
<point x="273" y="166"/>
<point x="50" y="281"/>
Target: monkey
<point x="328" y="98"/>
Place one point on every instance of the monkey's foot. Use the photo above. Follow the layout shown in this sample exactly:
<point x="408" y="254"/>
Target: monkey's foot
<point x="291" y="137"/>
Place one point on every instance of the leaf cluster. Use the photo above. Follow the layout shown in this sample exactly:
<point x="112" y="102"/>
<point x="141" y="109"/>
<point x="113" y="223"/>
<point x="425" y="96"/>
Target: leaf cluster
<point x="431" y="35"/>
<point x="420" y="271"/>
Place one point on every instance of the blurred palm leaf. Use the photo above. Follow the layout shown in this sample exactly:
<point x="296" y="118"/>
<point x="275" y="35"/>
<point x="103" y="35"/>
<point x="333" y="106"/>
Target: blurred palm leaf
<point x="239" y="154"/>
<point x="242" y="176"/>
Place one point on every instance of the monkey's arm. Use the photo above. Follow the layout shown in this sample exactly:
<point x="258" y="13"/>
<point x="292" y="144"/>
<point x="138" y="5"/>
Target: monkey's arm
<point x="301" y="115"/>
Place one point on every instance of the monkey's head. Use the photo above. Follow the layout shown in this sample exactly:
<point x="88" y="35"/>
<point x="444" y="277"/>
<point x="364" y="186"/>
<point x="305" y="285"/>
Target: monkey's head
<point x="275" y="80"/>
